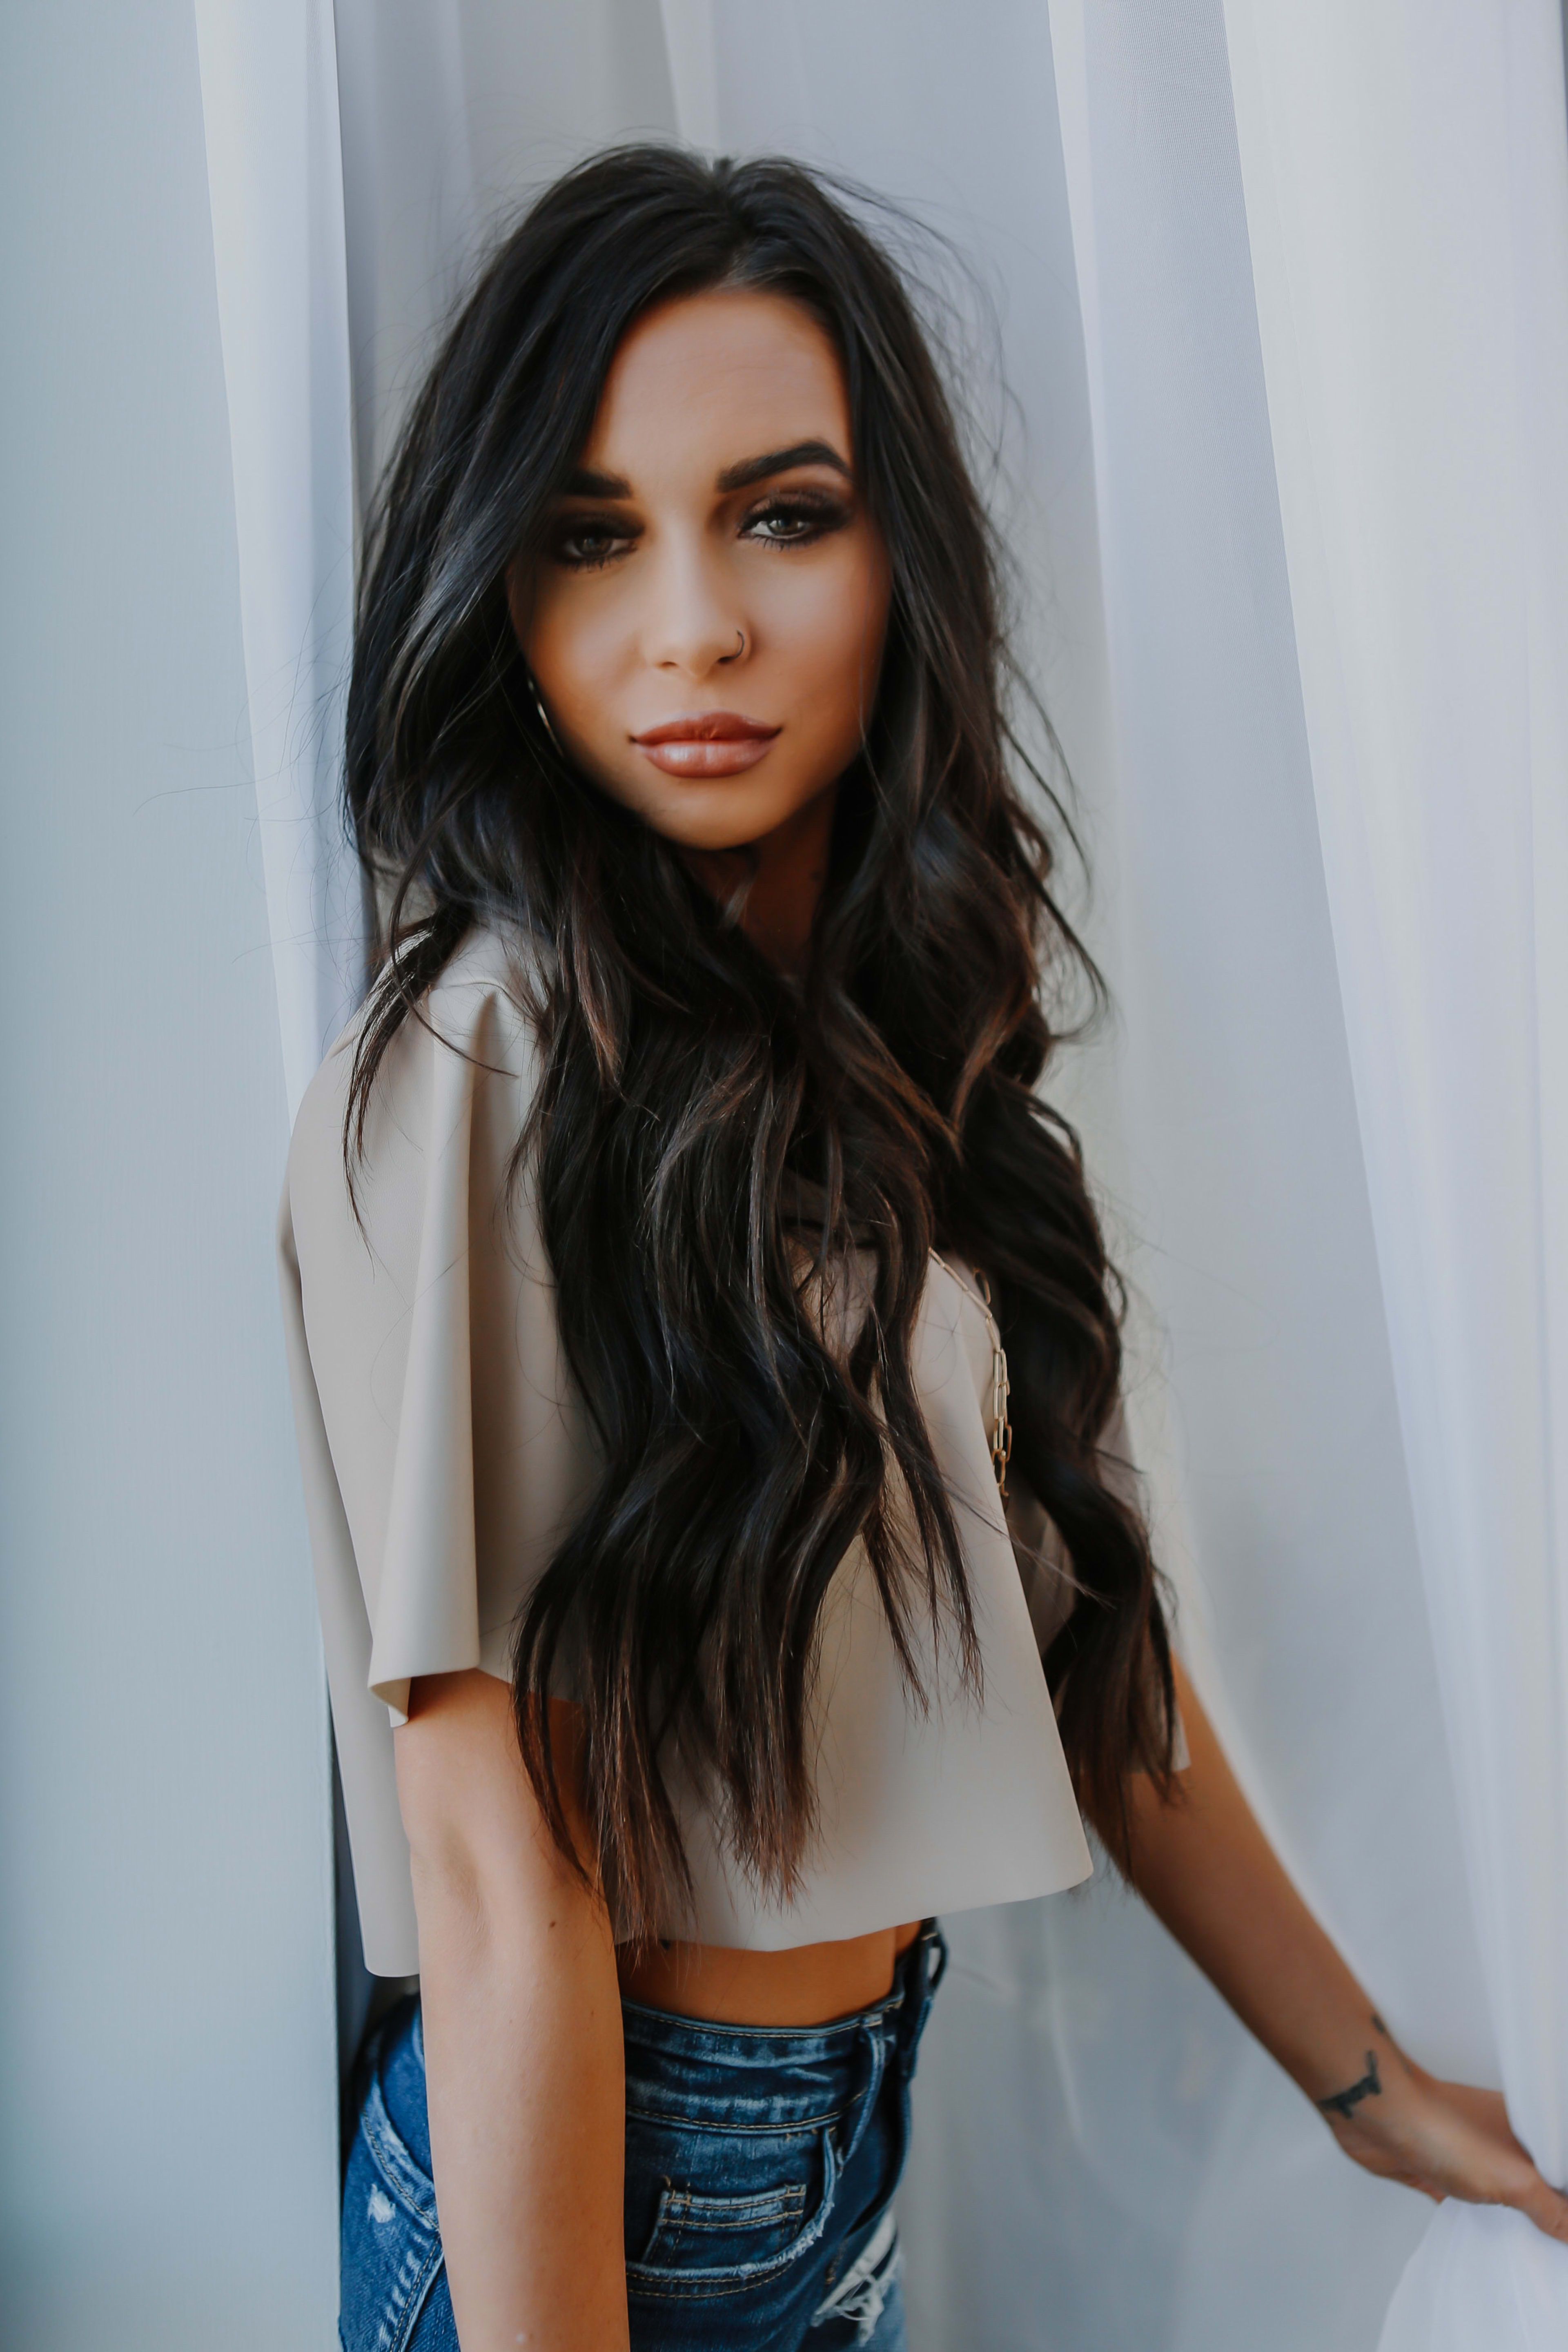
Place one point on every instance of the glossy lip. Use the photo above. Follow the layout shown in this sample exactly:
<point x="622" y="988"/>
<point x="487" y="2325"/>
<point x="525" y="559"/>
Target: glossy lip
<point x="706" y="743"/>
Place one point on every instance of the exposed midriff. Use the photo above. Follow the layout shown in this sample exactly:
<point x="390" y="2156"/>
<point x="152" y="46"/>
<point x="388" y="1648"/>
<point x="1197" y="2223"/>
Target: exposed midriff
<point x="805" y="1985"/>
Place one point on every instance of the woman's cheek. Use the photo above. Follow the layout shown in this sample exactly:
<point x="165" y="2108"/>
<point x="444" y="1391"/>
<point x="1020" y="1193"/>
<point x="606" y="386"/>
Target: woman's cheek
<point x="581" y="666"/>
<point x="825" y="627"/>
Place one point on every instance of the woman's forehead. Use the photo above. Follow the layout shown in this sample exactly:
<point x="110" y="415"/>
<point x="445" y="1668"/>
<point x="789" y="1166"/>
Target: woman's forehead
<point x="705" y="383"/>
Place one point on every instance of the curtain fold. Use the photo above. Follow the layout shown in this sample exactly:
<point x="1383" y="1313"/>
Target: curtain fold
<point x="270" y="102"/>
<point x="1407" y="176"/>
<point x="693" y="69"/>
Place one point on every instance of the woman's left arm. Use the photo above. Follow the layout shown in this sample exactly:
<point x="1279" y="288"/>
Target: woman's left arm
<point x="1204" y="1868"/>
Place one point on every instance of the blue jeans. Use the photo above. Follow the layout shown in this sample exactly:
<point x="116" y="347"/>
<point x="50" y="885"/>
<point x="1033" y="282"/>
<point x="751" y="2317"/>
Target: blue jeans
<point x="760" y="2165"/>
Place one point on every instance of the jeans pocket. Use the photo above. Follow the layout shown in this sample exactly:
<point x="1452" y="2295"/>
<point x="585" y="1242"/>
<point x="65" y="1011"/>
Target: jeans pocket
<point x="389" y="2246"/>
<point x="733" y="2211"/>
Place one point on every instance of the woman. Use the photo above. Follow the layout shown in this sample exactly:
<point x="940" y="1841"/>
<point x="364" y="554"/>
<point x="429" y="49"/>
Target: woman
<point x="705" y="1354"/>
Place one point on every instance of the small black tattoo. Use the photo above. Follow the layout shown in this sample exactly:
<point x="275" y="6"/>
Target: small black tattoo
<point x="1344" y="2102"/>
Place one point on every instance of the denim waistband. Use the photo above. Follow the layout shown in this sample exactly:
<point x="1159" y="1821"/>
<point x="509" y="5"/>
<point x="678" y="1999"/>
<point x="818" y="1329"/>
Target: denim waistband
<point x="766" y="2077"/>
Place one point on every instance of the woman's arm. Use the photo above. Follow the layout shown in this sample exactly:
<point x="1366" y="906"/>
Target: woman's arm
<point x="523" y="2035"/>
<point x="1205" y="1867"/>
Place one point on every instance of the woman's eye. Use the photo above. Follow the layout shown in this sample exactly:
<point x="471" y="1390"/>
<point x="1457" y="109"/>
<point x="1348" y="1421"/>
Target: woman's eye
<point x="584" y="546"/>
<point x="792" y="524"/>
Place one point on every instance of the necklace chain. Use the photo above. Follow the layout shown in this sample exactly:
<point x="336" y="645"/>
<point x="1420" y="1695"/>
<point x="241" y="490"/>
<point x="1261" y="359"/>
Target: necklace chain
<point x="1001" y="1390"/>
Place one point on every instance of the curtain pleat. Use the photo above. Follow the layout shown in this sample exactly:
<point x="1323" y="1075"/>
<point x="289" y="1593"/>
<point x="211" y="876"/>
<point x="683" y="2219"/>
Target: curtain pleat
<point x="1407" y="176"/>
<point x="269" y="100"/>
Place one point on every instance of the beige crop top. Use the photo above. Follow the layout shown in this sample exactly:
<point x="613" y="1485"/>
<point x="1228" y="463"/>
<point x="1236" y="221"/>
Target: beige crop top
<point x="445" y="1452"/>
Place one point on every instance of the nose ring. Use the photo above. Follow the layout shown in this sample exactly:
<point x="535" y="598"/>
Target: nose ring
<point x="740" y="646"/>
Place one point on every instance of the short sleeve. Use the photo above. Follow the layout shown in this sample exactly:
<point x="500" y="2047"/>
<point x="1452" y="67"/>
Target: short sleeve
<point x="444" y="1450"/>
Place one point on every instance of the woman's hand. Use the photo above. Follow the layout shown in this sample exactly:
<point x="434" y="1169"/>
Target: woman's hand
<point x="1205" y="1867"/>
<point x="1446" y="2139"/>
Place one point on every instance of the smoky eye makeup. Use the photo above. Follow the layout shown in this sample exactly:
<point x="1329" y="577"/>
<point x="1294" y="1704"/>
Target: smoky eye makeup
<point x="796" y="517"/>
<point x="586" y="542"/>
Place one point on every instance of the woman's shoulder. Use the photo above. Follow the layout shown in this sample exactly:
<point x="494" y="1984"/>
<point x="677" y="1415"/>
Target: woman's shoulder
<point x="465" y="1051"/>
<point x="495" y="977"/>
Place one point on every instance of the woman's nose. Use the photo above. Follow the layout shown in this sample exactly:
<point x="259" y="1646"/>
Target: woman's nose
<point x="693" y="625"/>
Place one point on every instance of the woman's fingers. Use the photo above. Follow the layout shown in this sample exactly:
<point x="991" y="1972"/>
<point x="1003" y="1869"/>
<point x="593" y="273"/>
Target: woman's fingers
<point x="1503" y="2171"/>
<point x="1546" y="2206"/>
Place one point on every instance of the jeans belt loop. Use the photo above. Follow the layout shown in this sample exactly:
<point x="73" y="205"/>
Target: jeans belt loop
<point x="931" y="1968"/>
<point x="874" y="2031"/>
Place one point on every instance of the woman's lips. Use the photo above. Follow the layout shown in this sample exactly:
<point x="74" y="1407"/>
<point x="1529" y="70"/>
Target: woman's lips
<point x="706" y="743"/>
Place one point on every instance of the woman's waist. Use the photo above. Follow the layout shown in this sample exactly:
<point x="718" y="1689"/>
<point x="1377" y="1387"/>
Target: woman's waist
<point x="802" y="1987"/>
<point x="777" y="2077"/>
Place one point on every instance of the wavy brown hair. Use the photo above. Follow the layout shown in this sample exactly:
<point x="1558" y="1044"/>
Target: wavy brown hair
<point x="688" y="1088"/>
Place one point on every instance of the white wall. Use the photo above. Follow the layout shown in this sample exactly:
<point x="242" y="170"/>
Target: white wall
<point x="168" y="2141"/>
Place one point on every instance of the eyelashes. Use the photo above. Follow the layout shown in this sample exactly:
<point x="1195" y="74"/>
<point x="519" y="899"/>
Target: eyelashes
<point x="798" y="518"/>
<point x="588" y="546"/>
<point x="804" y="515"/>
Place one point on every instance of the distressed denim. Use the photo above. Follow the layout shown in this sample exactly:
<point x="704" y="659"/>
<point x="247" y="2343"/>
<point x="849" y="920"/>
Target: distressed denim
<point x="760" y="2165"/>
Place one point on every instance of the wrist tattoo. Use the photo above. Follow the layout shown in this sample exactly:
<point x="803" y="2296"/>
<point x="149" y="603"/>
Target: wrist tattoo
<point x="1344" y="2102"/>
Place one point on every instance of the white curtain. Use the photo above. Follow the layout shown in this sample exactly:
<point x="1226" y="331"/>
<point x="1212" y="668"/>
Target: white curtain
<point x="269" y="97"/>
<point x="1408" y="199"/>
<point x="1282" y="308"/>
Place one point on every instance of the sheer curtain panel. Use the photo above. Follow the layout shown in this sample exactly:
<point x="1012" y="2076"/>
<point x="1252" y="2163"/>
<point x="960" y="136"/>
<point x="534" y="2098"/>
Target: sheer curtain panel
<point x="270" y="99"/>
<point x="1406" y="174"/>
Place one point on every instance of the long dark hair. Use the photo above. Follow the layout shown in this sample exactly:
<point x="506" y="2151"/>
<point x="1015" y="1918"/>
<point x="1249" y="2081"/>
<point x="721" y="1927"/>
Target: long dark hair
<point x="692" y="1097"/>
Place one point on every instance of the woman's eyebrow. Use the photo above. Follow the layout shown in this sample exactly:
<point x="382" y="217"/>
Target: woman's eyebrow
<point x="779" y="461"/>
<point x="585" y="483"/>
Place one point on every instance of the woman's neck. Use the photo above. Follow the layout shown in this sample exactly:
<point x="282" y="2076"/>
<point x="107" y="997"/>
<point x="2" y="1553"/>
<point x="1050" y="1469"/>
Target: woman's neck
<point x="780" y="879"/>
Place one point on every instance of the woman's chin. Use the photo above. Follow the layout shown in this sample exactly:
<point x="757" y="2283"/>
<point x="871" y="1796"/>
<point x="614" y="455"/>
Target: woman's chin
<point x="714" y="817"/>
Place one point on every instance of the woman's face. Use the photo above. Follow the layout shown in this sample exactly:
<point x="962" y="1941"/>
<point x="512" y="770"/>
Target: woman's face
<point x="705" y="621"/>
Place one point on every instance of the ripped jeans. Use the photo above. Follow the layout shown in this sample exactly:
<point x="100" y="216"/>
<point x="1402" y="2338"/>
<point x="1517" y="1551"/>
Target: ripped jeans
<point x="760" y="2165"/>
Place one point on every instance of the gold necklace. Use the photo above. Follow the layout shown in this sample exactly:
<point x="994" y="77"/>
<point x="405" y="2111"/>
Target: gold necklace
<point x="1001" y="1427"/>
